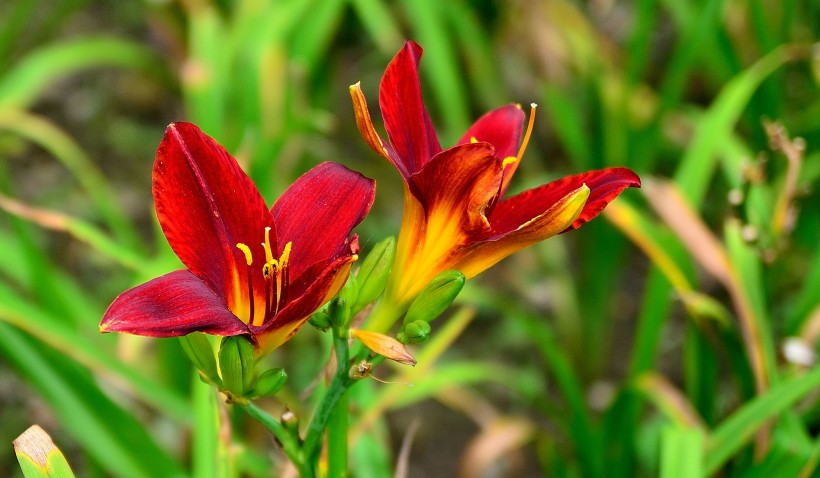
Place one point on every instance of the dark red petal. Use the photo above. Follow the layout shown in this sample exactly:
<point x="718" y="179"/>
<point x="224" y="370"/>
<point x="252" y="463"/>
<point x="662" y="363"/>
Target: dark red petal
<point x="408" y="125"/>
<point x="175" y="304"/>
<point x="318" y="212"/>
<point x="206" y="205"/>
<point x="501" y="127"/>
<point x="456" y="186"/>
<point x="604" y="185"/>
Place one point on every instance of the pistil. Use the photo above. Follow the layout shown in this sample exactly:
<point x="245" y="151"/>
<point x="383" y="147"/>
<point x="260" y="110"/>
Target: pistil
<point x="506" y="170"/>
<point x="249" y="260"/>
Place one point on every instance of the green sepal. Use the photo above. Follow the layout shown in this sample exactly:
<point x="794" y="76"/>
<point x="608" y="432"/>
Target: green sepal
<point x="436" y="297"/>
<point x="270" y="382"/>
<point x="39" y="457"/>
<point x="199" y="350"/>
<point x="374" y="272"/>
<point x="236" y="362"/>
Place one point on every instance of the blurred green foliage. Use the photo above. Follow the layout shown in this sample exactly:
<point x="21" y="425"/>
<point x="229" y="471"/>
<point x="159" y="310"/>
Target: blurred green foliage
<point x="675" y="338"/>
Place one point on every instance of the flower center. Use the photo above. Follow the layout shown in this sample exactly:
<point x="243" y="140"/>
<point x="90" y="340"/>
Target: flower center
<point x="276" y="277"/>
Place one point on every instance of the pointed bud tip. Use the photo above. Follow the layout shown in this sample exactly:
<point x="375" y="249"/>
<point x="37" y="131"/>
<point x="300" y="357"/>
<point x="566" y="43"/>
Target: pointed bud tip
<point x="383" y="345"/>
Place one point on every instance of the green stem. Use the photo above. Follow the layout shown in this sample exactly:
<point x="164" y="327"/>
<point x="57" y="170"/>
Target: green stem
<point x="337" y="440"/>
<point x="338" y="386"/>
<point x="289" y="440"/>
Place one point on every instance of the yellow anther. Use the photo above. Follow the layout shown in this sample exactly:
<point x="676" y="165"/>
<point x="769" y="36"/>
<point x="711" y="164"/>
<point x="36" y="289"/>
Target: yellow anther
<point x="266" y="245"/>
<point x="268" y="269"/>
<point x="508" y="161"/>
<point x="247" y="251"/>
<point x="528" y="134"/>
<point x="473" y="140"/>
<point x="283" y="259"/>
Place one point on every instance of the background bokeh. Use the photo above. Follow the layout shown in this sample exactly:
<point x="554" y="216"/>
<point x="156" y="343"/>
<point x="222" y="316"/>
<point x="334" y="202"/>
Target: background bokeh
<point x="674" y="336"/>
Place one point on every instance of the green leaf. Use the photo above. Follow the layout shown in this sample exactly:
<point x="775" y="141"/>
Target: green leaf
<point x="112" y="436"/>
<point x="20" y="86"/>
<point x="681" y="453"/>
<point x="734" y="432"/>
<point x="697" y="165"/>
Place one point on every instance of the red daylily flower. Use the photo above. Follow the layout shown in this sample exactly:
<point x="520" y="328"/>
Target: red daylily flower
<point x="250" y="270"/>
<point x="455" y="213"/>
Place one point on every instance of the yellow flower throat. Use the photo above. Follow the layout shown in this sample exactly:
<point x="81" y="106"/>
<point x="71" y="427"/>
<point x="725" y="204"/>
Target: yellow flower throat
<point x="275" y="275"/>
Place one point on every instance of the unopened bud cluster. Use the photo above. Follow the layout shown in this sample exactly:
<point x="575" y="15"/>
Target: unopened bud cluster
<point x="233" y="368"/>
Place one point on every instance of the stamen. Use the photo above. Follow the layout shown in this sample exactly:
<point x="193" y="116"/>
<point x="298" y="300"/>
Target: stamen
<point x="247" y="251"/>
<point x="473" y="140"/>
<point x="266" y="245"/>
<point x="281" y="273"/>
<point x="528" y="134"/>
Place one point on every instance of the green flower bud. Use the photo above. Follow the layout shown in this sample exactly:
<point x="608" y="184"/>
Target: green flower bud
<point x="414" y="332"/>
<point x="435" y="297"/>
<point x="236" y="362"/>
<point x="350" y="291"/>
<point x="320" y="319"/>
<point x="339" y="312"/>
<point x="373" y="273"/>
<point x="270" y="382"/>
<point x="201" y="353"/>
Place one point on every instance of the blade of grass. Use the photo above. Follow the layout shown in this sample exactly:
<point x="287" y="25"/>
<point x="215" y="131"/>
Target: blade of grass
<point x="77" y="228"/>
<point x="63" y="148"/>
<point x="23" y="83"/>
<point x="112" y="436"/>
<point x="565" y="117"/>
<point x="56" y="333"/>
<point x="737" y="430"/>
<point x="681" y="452"/>
<point x="379" y="23"/>
<point x="670" y="400"/>
<point x="311" y="39"/>
<point x="441" y="66"/>
<point x="698" y="164"/>
<point x="482" y="67"/>
<point x="204" y="76"/>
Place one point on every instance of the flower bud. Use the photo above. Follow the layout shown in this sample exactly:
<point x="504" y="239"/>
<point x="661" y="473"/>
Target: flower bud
<point x="435" y="297"/>
<point x="384" y="345"/>
<point x="350" y="291"/>
<point x="320" y="319"/>
<point x="374" y="272"/>
<point x="270" y="382"/>
<point x="414" y="333"/>
<point x="236" y="363"/>
<point x="339" y="312"/>
<point x="201" y="353"/>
